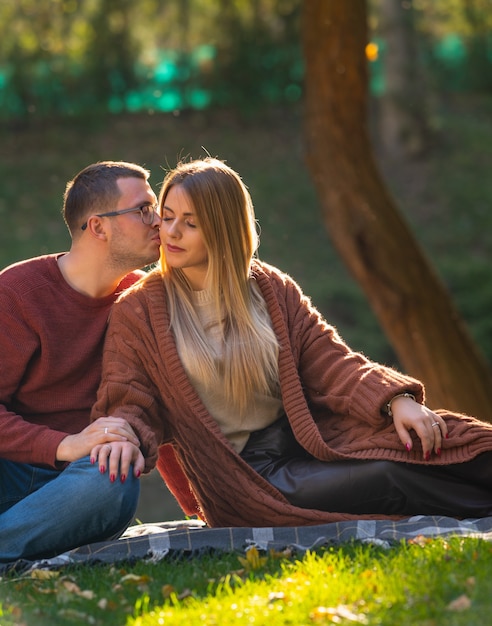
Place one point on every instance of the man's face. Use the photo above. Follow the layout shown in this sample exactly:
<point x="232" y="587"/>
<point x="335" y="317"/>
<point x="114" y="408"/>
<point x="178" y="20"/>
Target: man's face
<point x="133" y="244"/>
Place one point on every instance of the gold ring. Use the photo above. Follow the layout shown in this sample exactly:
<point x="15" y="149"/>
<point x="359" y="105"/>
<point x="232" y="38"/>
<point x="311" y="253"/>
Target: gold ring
<point x="434" y="424"/>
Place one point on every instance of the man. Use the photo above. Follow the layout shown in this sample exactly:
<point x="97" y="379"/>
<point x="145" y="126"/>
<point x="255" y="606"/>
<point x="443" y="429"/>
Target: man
<point x="53" y="312"/>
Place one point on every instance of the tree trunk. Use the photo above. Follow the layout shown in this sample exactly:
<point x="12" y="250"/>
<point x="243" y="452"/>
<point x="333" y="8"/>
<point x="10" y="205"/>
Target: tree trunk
<point x="403" y="121"/>
<point x="373" y="239"/>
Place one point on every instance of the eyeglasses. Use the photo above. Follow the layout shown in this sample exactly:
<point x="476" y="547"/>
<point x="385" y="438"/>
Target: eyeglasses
<point x="147" y="213"/>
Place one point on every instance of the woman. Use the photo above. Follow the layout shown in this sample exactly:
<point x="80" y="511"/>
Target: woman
<point x="271" y="419"/>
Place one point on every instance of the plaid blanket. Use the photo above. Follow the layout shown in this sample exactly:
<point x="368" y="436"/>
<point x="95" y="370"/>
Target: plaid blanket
<point x="192" y="537"/>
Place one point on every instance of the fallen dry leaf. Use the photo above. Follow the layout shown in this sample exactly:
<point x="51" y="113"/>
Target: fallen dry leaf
<point x="71" y="587"/>
<point x="186" y="593"/>
<point x="252" y="560"/>
<point x="462" y="603"/>
<point x="72" y="614"/>
<point x="134" y="579"/>
<point x="44" y="574"/>
<point x="420" y="540"/>
<point x="337" y="615"/>
<point x="167" y="590"/>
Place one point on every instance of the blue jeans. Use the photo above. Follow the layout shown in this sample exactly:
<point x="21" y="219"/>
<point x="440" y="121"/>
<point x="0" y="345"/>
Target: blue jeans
<point x="44" y="512"/>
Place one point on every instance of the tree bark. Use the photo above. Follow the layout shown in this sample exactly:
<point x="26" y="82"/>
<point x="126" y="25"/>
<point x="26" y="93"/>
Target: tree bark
<point x="403" y="122"/>
<point x="375" y="242"/>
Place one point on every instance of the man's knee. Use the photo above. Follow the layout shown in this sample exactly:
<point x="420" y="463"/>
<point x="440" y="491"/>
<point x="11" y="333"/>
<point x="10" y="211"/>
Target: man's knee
<point x="102" y="497"/>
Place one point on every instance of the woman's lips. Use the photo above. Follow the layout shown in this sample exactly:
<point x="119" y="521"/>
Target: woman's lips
<point x="173" y="248"/>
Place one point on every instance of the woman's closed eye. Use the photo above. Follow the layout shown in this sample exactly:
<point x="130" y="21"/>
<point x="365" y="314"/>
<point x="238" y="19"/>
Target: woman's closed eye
<point x="172" y="219"/>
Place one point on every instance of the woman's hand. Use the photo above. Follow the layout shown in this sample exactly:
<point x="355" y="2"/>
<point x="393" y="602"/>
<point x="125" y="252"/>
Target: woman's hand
<point x="102" y="430"/>
<point x="410" y="415"/>
<point x="116" y="458"/>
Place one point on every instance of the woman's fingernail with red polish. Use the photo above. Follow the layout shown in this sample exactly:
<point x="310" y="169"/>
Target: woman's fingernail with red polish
<point x="138" y="472"/>
<point x="112" y="478"/>
<point x="102" y="469"/>
<point x="438" y="451"/>
<point x="427" y="456"/>
<point x="93" y="460"/>
<point x="407" y="446"/>
<point x="123" y="478"/>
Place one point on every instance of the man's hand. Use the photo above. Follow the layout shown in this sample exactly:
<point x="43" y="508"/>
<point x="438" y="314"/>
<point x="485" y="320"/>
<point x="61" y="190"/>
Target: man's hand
<point x="116" y="458"/>
<point x="103" y="430"/>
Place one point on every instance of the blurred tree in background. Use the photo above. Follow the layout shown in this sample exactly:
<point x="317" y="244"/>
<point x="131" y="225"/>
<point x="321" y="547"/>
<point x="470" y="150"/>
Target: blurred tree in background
<point x="60" y="57"/>
<point x="363" y="221"/>
<point x="73" y="57"/>
<point x="456" y="36"/>
<point x="109" y="61"/>
<point x="404" y="113"/>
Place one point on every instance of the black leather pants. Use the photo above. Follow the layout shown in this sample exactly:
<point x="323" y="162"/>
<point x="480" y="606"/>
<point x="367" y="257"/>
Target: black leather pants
<point x="386" y="487"/>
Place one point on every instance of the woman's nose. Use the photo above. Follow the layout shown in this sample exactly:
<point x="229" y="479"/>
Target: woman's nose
<point x="171" y="227"/>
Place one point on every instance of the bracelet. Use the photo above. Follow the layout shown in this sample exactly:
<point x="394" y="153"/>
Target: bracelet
<point x="399" y="395"/>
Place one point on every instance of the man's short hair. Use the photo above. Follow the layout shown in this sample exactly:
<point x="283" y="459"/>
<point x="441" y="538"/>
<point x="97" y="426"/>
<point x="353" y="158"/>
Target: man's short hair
<point x="95" y="190"/>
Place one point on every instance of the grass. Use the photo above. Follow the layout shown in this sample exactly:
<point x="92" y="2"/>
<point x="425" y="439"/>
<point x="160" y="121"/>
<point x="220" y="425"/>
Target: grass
<point x="424" y="582"/>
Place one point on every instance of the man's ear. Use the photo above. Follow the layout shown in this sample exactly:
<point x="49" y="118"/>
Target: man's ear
<point x="95" y="226"/>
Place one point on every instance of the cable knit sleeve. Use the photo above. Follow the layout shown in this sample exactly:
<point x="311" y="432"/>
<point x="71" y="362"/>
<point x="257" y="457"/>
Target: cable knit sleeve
<point x="335" y="378"/>
<point x="127" y="389"/>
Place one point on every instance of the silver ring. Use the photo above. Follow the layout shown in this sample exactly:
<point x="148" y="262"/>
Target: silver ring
<point x="434" y="424"/>
<point x="106" y="431"/>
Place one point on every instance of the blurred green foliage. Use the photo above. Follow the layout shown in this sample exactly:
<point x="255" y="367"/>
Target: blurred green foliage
<point x="73" y="57"/>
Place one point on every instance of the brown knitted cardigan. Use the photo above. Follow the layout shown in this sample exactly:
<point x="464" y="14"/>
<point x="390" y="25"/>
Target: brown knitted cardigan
<point x="332" y="396"/>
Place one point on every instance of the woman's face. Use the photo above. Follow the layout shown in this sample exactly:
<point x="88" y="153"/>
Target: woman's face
<point x="181" y="237"/>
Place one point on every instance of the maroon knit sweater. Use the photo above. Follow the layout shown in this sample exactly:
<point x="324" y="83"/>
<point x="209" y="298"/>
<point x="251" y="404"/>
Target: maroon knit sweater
<point x="332" y="396"/>
<point x="50" y="358"/>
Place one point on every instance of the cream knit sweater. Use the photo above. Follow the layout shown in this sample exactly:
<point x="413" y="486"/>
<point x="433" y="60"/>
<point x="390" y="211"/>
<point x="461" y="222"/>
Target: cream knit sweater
<point x="262" y="409"/>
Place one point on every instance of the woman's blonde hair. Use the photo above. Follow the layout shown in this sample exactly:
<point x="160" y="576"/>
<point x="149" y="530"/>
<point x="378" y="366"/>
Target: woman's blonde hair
<point x="225" y="216"/>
